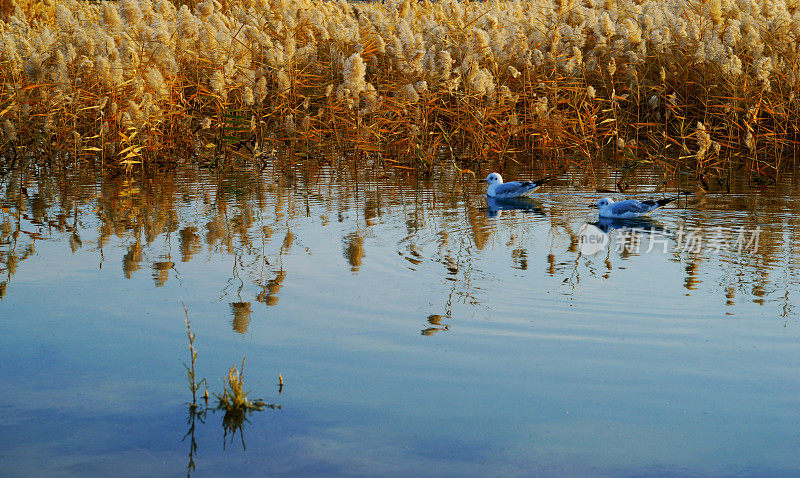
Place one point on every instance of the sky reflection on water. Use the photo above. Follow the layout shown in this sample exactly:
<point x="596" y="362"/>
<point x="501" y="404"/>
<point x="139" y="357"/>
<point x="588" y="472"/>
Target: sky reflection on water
<point x="419" y="329"/>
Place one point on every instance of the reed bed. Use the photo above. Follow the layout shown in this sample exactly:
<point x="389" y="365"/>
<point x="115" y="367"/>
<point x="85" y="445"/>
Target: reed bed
<point x="708" y="86"/>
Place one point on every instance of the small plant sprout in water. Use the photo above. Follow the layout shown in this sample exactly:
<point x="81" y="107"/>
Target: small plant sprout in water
<point x="235" y="398"/>
<point x="236" y="405"/>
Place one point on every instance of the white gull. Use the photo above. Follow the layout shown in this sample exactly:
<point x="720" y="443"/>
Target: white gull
<point x="513" y="189"/>
<point x="630" y="208"/>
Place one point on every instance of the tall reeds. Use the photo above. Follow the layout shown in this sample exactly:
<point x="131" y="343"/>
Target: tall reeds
<point x="705" y="85"/>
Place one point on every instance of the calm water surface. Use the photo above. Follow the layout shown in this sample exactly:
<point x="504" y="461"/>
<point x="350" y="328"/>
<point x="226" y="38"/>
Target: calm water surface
<point x="418" y="330"/>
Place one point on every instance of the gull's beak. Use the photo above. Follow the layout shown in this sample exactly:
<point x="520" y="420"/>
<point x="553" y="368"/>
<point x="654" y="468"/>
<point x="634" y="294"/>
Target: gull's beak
<point x="482" y="181"/>
<point x="594" y="206"/>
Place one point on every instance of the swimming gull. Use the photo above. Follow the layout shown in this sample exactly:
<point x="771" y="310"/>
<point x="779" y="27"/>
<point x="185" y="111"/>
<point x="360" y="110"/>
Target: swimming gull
<point x="630" y="208"/>
<point x="513" y="189"/>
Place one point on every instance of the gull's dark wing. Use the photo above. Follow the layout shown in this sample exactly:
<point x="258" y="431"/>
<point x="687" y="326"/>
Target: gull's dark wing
<point x="547" y="179"/>
<point x="656" y="203"/>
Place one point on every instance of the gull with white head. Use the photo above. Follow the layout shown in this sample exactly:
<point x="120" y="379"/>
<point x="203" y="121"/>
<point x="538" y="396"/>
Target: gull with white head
<point x="513" y="189"/>
<point x="630" y="208"/>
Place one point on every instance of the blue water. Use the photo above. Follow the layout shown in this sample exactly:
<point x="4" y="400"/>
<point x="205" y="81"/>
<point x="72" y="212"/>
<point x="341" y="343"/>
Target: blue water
<point x="415" y="333"/>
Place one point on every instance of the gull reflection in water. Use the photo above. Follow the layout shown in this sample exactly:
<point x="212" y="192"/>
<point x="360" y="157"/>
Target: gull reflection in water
<point x="641" y="224"/>
<point x="495" y="206"/>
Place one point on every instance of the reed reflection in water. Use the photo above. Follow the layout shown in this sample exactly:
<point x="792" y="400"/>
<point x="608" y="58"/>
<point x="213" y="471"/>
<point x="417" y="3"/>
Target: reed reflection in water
<point x="240" y="213"/>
